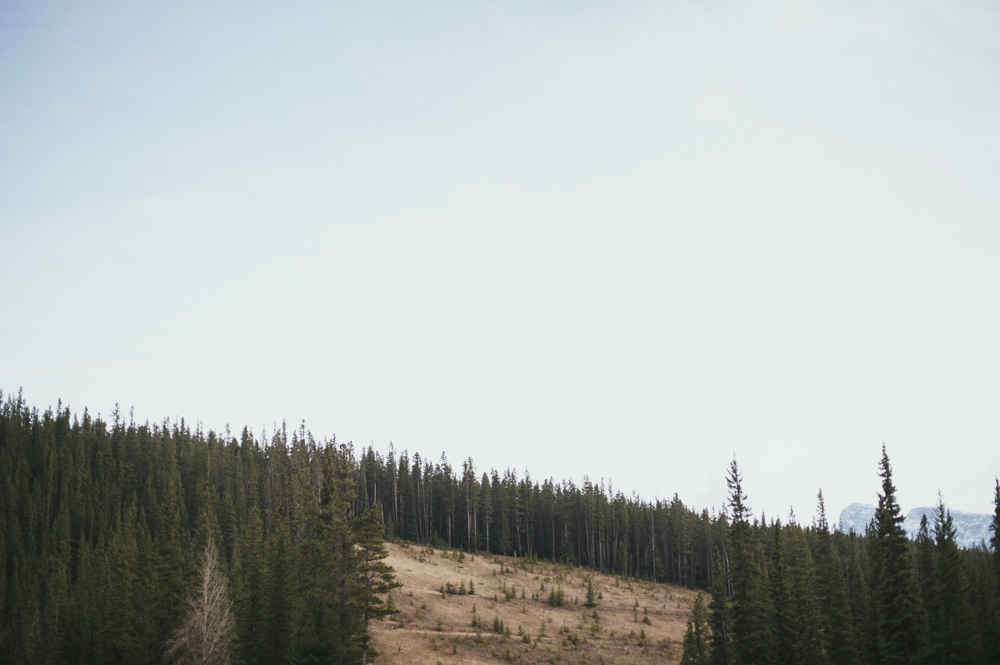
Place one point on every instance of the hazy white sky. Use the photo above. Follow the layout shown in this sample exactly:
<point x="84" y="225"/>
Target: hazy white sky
<point x="628" y="240"/>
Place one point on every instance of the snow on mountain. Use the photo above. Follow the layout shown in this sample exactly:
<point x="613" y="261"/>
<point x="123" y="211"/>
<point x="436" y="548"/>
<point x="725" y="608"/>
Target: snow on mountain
<point x="973" y="528"/>
<point x="856" y="517"/>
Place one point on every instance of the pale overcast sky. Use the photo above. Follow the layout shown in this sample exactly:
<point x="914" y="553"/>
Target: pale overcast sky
<point x="628" y="240"/>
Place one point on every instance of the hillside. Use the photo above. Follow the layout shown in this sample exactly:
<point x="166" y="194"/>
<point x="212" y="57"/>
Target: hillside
<point x="637" y="622"/>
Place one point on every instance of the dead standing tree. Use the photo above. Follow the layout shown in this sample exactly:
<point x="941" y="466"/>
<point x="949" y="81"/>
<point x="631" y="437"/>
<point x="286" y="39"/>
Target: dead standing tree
<point x="204" y="638"/>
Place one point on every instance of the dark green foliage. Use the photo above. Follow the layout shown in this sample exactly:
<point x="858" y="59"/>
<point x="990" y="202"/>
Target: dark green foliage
<point x="925" y="569"/>
<point x="374" y="577"/>
<point x="499" y="513"/>
<point x="988" y="592"/>
<point x="330" y="626"/>
<point x="784" y="620"/>
<point x="865" y="637"/>
<point x="696" y="649"/>
<point x="750" y="633"/>
<point x="102" y="523"/>
<point x="900" y="620"/>
<point x="591" y="600"/>
<point x="952" y="627"/>
<point x="838" y="638"/>
<point x="103" y="526"/>
<point x="995" y="528"/>
<point x="718" y="618"/>
<point x="808" y="624"/>
<point x="250" y="644"/>
<point x="278" y="607"/>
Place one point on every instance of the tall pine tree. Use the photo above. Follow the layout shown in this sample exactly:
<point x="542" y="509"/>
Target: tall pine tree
<point x="784" y="619"/>
<point x="696" y="649"/>
<point x="802" y="582"/>
<point x="925" y="568"/>
<point x="278" y="608"/>
<point x="751" y="634"/>
<point x="951" y="630"/>
<point x="990" y="603"/>
<point x="900" y="620"/>
<point x="838" y="631"/>
<point x="719" y="613"/>
<point x="250" y="644"/>
<point x="374" y="577"/>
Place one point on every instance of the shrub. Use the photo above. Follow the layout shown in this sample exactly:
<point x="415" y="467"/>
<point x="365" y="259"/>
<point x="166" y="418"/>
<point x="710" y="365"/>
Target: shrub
<point x="591" y="596"/>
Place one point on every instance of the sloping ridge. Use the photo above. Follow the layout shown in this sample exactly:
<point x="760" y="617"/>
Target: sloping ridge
<point x="638" y="622"/>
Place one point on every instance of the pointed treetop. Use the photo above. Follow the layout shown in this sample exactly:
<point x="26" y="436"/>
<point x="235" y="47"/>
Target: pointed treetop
<point x="924" y="530"/>
<point x="821" y="522"/>
<point x="736" y="496"/>
<point x="995" y="526"/>
<point x="944" y="527"/>
<point x="888" y="516"/>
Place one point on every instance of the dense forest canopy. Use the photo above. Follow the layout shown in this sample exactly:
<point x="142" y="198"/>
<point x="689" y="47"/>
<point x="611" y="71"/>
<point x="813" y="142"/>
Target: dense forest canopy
<point x="115" y="534"/>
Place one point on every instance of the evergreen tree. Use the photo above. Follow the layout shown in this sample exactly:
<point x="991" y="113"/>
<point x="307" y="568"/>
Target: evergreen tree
<point x="102" y="524"/>
<point x="995" y="528"/>
<point x="719" y="610"/>
<point x="838" y="630"/>
<point x="375" y="577"/>
<point x="925" y="569"/>
<point x="900" y="620"/>
<point x="250" y="610"/>
<point x="750" y="634"/>
<point x="951" y="629"/>
<point x="784" y="620"/>
<point x="990" y="593"/>
<point x="278" y="614"/>
<point x="981" y="594"/>
<point x="696" y="649"/>
<point x="119" y="630"/>
<point x="591" y="600"/>
<point x="802" y="583"/>
<point x="862" y="609"/>
<point x="328" y="628"/>
<point x="171" y="573"/>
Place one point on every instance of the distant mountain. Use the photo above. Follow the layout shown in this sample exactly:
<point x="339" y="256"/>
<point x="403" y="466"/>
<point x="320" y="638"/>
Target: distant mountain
<point x="973" y="528"/>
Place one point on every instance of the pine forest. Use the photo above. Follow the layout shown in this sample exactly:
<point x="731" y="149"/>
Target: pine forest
<point x="124" y="542"/>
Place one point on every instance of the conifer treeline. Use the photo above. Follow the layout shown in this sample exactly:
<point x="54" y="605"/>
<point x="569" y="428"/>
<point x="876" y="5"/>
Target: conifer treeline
<point x="107" y="528"/>
<point x="794" y="595"/>
<point x="104" y="525"/>
<point x="587" y="524"/>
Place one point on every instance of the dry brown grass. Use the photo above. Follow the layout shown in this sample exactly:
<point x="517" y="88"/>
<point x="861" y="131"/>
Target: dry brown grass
<point x="432" y="628"/>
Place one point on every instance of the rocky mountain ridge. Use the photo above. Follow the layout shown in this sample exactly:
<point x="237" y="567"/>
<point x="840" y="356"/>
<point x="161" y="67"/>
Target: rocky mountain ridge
<point x="973" y="529"/>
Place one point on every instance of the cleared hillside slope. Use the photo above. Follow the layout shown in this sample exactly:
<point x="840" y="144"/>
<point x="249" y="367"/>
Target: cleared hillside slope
<point x="636" y="622"/>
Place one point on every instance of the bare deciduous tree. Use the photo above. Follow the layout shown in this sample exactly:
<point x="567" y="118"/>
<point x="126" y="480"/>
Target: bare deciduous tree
<point x="204" y="637"/>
